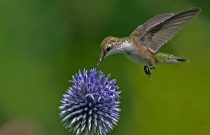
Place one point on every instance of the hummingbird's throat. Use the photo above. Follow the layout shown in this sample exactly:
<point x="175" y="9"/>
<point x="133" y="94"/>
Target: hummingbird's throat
<point x="124" y="46"/>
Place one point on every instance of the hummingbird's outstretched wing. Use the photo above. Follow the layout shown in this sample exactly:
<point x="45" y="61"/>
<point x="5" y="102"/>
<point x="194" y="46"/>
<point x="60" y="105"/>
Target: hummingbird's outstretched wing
<point x="160" y="29"/>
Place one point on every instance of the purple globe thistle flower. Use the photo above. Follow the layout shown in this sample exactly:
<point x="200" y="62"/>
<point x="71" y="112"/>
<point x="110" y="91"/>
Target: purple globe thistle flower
<point x="91" y="105"/>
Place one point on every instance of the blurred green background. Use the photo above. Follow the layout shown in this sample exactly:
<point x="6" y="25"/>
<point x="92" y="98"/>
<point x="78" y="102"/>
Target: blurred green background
<point x="44" y="42"/>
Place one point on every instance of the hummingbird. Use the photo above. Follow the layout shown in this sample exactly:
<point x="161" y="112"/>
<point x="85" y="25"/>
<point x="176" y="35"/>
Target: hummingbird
<point x="143" y="44"/>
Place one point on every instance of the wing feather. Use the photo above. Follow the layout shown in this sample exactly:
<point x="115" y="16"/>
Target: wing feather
<point x="154" y="33"/>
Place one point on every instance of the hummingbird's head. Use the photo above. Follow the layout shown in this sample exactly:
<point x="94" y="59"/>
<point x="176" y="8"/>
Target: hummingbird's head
<point x="108" y="47"/>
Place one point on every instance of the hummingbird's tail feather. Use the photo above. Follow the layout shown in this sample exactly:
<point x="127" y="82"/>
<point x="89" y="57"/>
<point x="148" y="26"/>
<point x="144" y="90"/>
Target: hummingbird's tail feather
<point x="164" y="58"/>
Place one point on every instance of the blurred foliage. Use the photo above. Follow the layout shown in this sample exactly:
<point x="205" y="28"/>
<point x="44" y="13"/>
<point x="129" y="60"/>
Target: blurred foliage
<point x="44" y="42"/>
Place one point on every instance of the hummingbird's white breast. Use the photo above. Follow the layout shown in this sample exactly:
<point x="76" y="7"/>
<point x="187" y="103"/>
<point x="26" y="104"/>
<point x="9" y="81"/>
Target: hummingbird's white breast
<point x="132" y="53"/>
<point x="135" y="57"/>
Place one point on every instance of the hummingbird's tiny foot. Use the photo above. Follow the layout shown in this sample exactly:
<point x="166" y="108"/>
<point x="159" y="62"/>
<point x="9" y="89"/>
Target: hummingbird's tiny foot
<point x="147" y="71"/>
<point x="152" y="67"/>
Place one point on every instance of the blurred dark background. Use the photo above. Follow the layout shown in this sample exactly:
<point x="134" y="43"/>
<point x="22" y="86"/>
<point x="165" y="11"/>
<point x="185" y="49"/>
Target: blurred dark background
<point x="44" y="42"/>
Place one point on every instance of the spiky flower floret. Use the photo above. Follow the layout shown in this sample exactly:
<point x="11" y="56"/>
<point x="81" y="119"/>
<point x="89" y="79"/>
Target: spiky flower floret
<point x="91" y="105"/>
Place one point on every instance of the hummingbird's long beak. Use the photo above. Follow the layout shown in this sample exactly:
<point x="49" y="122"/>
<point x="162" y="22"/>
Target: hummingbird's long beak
<point x="101" y="59"/>
<point x="99" y="63"/>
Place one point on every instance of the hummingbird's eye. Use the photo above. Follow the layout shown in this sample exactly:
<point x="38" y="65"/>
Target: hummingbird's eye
<point x="108" y="48"/>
